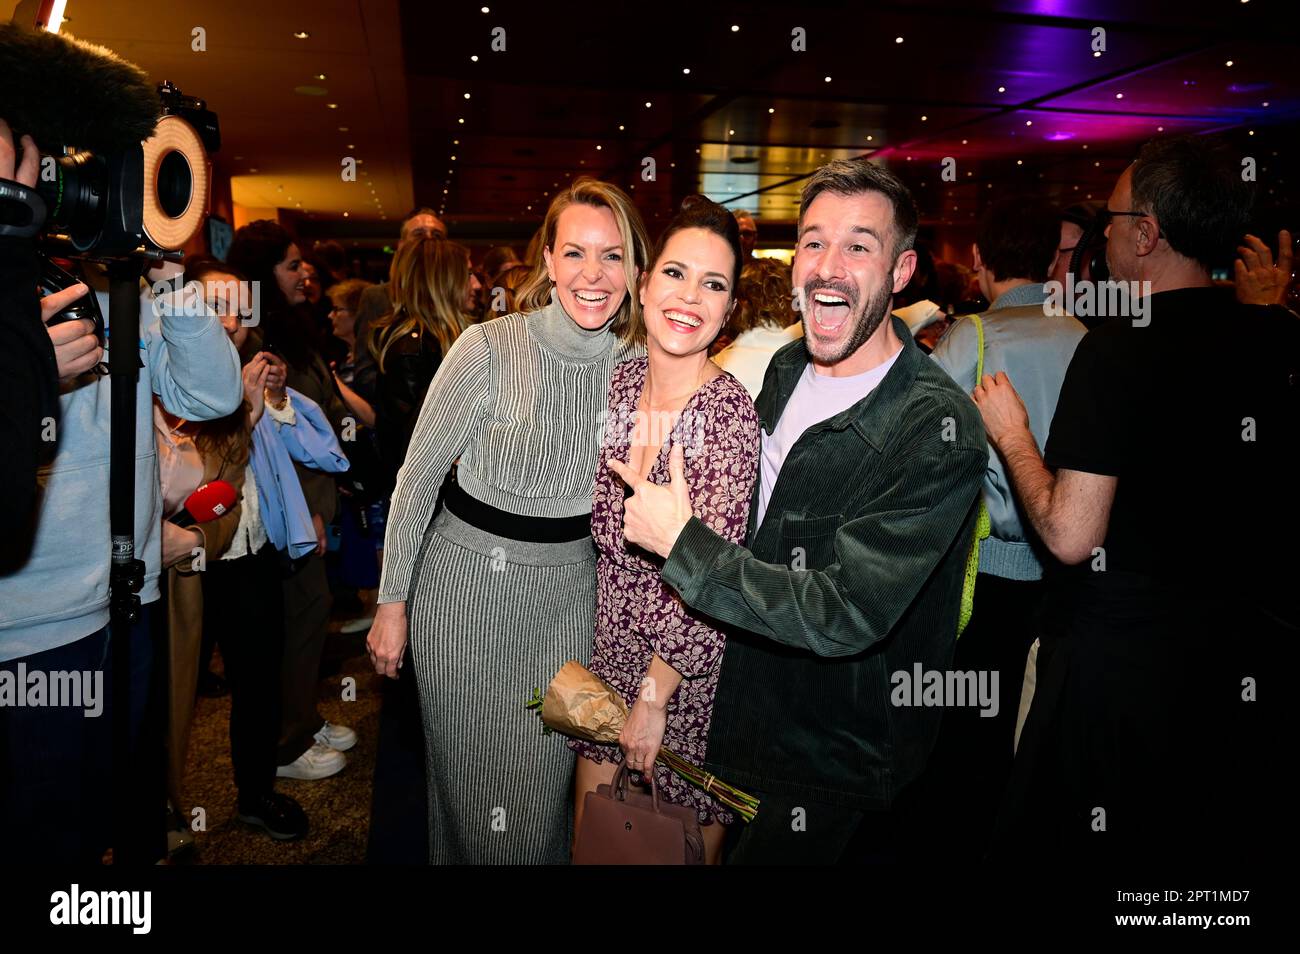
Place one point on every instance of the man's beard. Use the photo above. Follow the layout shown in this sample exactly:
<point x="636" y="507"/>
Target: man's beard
<point x="865" y="321"/>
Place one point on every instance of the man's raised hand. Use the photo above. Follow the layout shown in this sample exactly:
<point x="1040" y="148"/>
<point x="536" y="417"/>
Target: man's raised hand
<point x="655" y="514"/>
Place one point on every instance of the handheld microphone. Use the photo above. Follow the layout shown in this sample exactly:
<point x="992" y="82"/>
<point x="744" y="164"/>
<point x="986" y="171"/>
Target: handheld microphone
<point x="207" y="503"/>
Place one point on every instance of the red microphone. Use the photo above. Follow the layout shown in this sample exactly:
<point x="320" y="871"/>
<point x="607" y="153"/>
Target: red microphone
<point x="207" y="503"/>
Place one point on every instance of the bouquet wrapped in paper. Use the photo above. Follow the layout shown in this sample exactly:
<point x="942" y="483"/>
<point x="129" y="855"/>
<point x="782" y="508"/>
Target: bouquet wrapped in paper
<point x="581" y="705"/>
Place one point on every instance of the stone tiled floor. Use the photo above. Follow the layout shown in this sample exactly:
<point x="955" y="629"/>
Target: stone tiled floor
<point x="338" y="808"/>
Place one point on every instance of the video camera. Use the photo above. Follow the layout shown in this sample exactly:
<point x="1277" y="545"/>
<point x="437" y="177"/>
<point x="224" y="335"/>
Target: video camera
<point x="124" y="170"/>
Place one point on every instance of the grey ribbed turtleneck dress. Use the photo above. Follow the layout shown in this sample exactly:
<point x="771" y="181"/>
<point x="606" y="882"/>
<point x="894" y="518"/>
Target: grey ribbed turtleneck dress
<point x="520" y="401"/>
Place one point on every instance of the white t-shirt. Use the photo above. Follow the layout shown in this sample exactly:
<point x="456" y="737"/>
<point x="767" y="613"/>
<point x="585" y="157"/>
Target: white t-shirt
<point x="748" y="356"/>
<point x="816" y="397"/>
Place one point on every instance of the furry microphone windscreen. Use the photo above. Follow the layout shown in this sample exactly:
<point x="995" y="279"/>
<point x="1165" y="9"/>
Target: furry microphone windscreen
<point x="64" y="92"/>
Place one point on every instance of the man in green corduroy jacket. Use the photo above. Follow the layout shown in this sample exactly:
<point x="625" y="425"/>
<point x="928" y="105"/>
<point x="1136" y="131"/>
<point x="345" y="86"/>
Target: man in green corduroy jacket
<point x="859" y="532"/>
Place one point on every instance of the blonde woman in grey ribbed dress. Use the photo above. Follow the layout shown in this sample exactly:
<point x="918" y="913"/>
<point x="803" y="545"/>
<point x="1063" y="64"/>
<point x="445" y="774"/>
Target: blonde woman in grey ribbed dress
<point x="500" y="589"/>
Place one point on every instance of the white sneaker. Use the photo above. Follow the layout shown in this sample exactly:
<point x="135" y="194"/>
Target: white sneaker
<point x="338" y="737"/>
<point x="320" y="761"/>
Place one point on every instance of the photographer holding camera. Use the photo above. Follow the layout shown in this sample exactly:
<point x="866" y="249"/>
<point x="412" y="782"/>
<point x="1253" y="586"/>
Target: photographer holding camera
<point x="54" y="598"/>
<point x="31" y="362"/>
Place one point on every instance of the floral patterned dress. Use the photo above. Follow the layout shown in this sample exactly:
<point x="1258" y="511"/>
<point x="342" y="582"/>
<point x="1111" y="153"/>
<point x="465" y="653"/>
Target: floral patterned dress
<point x="637" y="614"/>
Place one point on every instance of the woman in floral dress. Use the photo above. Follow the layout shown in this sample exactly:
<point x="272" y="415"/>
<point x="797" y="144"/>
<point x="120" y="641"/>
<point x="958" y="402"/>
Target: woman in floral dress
<point x="660" y="656"/>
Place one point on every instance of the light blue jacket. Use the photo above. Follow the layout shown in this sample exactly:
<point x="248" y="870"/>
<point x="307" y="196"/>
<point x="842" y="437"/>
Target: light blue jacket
<point x="1034" y="350"/>
<point x="310" y="441"/>
<point x="60" y="595"/>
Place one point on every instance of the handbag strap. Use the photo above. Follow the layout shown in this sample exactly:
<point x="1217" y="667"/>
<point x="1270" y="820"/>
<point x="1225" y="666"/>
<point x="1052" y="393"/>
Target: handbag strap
<point x="622" y="776"/>
<point x="982" y="525"/>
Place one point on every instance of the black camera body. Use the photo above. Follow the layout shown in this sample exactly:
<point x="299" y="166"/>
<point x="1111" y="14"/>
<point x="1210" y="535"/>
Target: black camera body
<point x="143" y="200"/>
<point x="147" y="198"/>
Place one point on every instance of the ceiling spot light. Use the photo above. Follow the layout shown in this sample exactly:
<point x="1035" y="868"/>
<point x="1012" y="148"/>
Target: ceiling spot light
<point x="301" y="34"/>
<point x="898" y="39"/>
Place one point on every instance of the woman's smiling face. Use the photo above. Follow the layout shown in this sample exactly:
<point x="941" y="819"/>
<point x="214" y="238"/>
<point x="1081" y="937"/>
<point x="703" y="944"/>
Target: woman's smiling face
<point x="687" y="296"/>
<point x="586" y="264"/>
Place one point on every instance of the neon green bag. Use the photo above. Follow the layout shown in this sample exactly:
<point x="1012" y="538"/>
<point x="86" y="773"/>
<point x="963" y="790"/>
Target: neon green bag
<point x="982" y="526"/>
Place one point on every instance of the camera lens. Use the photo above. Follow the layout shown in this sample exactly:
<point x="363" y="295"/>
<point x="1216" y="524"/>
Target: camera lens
<point x="175" y="184"/>
<point x="75" y="196"/>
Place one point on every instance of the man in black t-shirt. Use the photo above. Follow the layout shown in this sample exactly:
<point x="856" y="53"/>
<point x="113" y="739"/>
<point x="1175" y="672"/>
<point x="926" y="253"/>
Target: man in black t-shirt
<point x="1143" y="738"/>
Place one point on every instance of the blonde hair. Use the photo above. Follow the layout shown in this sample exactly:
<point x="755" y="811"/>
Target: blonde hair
<point x="428" y="285"/>
<point x="536" y="292"/>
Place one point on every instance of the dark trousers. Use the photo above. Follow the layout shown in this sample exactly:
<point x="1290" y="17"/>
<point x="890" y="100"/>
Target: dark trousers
<point x="1142" y="743"/>
<point x="60" y="800"/>
<point x="243" y="606"/>
<point x="952" y="806"/>
<point x="56" y="766"/>
<point x="796" y="831"/>
<point x="306" y="614"/>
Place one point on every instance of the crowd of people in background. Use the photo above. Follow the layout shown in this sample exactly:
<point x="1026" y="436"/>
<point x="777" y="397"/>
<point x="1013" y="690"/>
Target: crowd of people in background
<point x="354" y="411"/>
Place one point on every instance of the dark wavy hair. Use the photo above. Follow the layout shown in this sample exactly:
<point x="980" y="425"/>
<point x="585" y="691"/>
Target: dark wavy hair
<point x="699" y="212"/>
<point x="255" y="251"/>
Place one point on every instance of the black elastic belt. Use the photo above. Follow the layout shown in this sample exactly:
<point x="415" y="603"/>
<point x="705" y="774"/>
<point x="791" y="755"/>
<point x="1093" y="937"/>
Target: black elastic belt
<point x="513" y="526"/>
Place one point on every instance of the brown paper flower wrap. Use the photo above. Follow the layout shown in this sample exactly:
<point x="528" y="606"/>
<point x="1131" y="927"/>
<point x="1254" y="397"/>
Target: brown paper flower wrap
<point x="582" y="706"/>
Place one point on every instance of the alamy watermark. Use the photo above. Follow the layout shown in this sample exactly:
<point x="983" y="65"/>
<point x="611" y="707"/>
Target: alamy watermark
<point x="21" y="688"/>
<point x="946" y="688"/>
<point x="78" y="907"/>
<point x="654" y="428"/>
<point x="1103" y="299"/>
<point x="195" y="299"/>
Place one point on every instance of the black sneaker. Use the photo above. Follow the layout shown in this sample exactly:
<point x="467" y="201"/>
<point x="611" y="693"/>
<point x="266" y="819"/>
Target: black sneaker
<point x="281" y="817"/>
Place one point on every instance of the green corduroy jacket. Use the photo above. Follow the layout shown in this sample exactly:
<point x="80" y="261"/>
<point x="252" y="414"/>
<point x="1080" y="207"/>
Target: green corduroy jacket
<point x="855" y="574"/>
